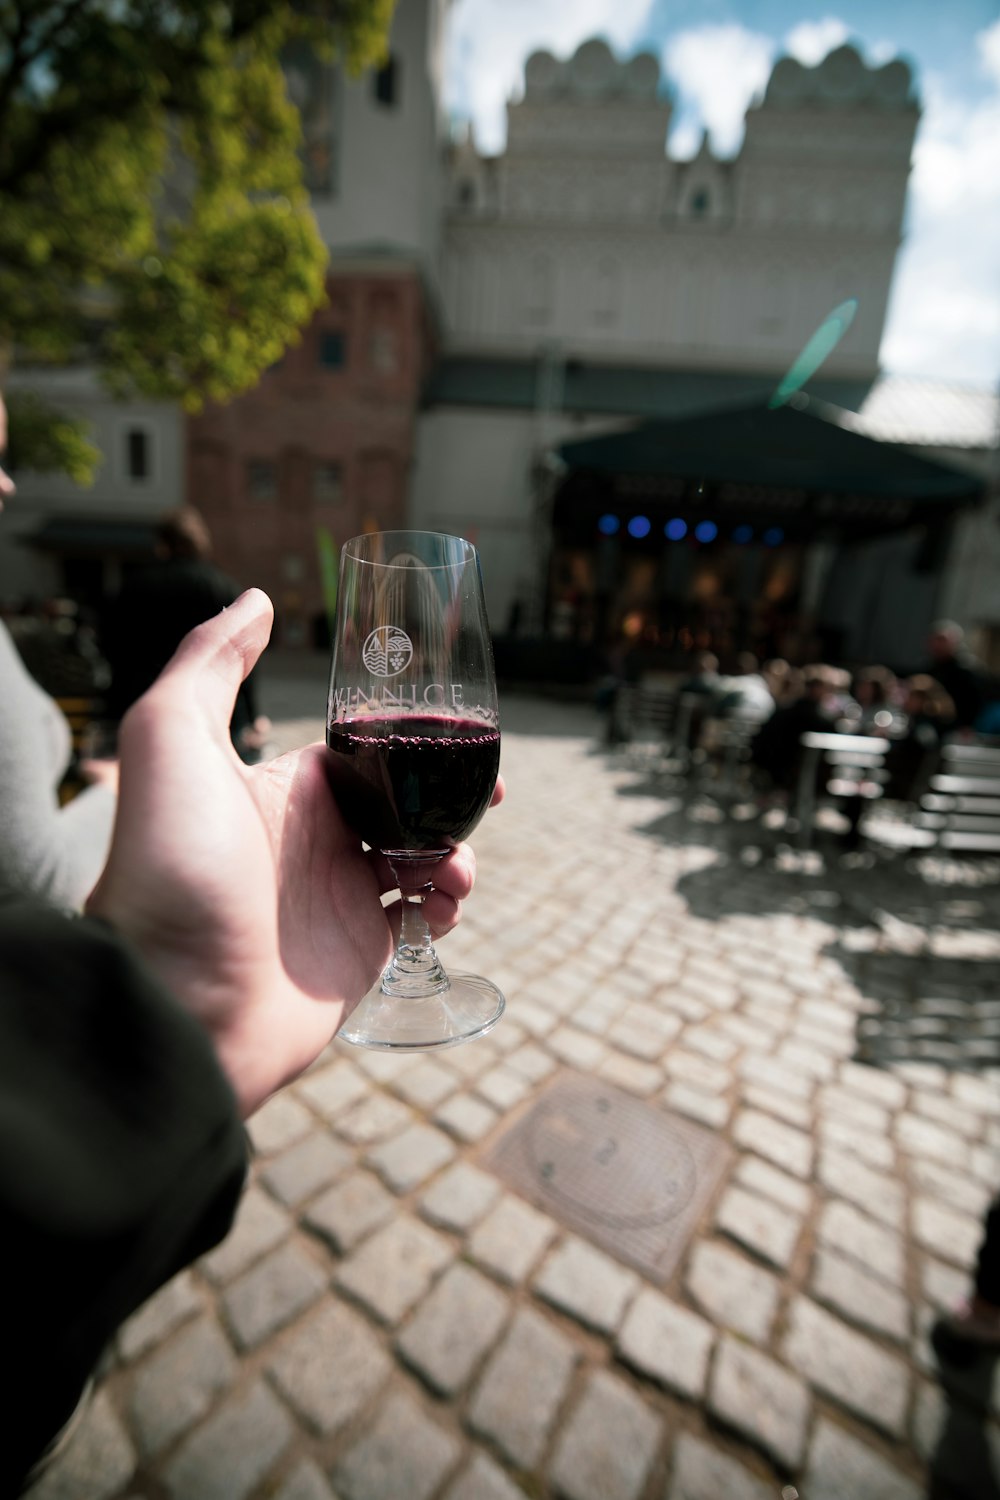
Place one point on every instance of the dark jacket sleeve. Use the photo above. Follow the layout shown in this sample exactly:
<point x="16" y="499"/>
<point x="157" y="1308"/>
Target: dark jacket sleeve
<point x="122" y="1156"/>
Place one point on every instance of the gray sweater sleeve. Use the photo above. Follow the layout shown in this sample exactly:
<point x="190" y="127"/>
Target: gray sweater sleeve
<point x="46" y="850"/>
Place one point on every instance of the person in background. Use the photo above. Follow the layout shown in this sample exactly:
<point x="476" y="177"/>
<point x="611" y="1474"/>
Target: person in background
<point x="235" y="926"/>
<point x="874" y="709"/>
<point x="46" y="848"/>
<point x="157" y="606"/>
<point x="914" y="754"/>
<point x="776" y="748"/>
<point x="952" y="665"/>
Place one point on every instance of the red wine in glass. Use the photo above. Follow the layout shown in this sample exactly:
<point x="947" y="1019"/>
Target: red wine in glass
<point x="413" y="737"/>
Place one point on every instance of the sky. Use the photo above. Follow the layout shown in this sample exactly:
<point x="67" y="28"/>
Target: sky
<point x="716" y="55"/>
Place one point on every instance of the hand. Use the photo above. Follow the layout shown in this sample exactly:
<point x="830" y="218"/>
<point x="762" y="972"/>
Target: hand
<point x="99" y="773"/>
<point x="242" y="885"/>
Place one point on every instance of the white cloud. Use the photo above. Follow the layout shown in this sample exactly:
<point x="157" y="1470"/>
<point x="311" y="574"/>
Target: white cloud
<point x="489" y="41"/>
<point x="718" y="70"/>
<point x="811" y="41"/>
<point x="944" y="316"/>
<point x="988" y="47"/>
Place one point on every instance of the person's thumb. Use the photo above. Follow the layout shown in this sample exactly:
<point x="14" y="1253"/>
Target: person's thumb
<point x="213" y="659"/>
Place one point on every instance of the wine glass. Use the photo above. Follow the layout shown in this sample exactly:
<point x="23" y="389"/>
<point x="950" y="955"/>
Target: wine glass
<point x="413" y="735"/>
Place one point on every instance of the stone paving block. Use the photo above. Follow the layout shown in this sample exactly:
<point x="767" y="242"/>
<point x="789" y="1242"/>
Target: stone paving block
<point x="395" y="1268"/>
<point x="712" y="1110"/>
<point x="760" y="1177"/>
<point x="404" y="1453"/>
<point x="511" y="1239"/>
<point x="761" y="1225"/>
<point x="922" y="1138"/>
<point x="962" y="1192"/>
<point x="305" y="1482"/>
<point x="841" y="1466"/>
<point x="576" y="1048"/>
<point x="943" y="1286"/>
<point x="871" y="1383"/>
<point x="701" y="1472"/>
<point x="380" y="1067"/>
<point x="522" y="1388"/>
<point x="878" y="1151"/>
<point x="427" y="1084"/>
<point x="460" y="1197"/>
<point x="483" y="1480"/>
<point x="639" y="1078"/>
<point x="535" y="1018"/>
<point x="531" y="1062"/>
<point x="812" y="1062"/>
<point x="373" y="1119"/>
<point x="271" y="1294"/>
<point x="776" y="1102"/>
<point x="786" y="1148"/>
<point x="976" y="1093"/>
<point x="710" y="1043"/>
<point x="333" y="1090"/>
<point x="856" y="1108"/>
<point x="96" y="1464"/>
<point x="607" y="1445"/>
<point x="173" y="1305"/>
<point x="407" y="1160"/>
<point x="876" y="1193"/>
<point x="350" y="1211"/>
<point x="951" y="1235"/>
<point x="734" y="1292"/>
<point x="502" y="1087"/>
<point x="945" y="1111"/>
<point x="260" y="1225"/>
<point x="453" y="1328"/>
<point x="179" y="1383"/>
<point x="666" y="1343"/>
<point x="230" y="1453"/>
<point x="697" y="1071"/>
<point x="330" y="1368"/>
<point x="866" y="1300"/>
<point x="279" y="1123"/>
<point x="466" y="1118"/>
<point x="845" y="1228"/>
<point x="640" y="1042"/>
<point x="771" y="1073"/>
<point x="587" y="1284"/>
<point x="765" y="1403"/>
<point x="301" y="1170"/>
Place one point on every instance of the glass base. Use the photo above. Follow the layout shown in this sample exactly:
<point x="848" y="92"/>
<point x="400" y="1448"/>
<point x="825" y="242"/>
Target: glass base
<point x="468" y="1008"/>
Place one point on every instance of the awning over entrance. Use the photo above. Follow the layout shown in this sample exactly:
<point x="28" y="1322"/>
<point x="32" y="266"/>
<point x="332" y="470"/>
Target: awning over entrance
<point x="795" y="466"/>
<point x="76" y="536"/>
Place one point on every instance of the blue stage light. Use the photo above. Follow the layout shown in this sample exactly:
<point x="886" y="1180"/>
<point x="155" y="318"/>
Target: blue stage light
<point x="742" y="535"/>
<point x="706" y="531"/>
<point x="639" y="527"/>
<point x="675" y="529"/>
<point x="774" y="537"/>
<point x="608" y="525"/>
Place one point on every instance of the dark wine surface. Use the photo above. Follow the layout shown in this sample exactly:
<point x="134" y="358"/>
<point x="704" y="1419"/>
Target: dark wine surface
<point x="413" y="782"/>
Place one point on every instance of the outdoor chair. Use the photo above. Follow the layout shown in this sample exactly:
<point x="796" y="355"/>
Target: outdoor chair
<point x="961" y="811"/>
<point x="845" y="768"/>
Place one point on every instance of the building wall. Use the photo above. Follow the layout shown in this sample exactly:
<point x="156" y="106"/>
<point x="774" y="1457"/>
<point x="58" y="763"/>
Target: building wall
<point x="585" y="240"/>
<point x="385" y="182"/>
<point x="585" y="234"/>
<point x="317" y="444"/>
<point x="116" y="495"/>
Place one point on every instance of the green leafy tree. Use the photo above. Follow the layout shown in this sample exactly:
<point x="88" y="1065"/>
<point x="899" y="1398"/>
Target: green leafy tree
<point x="152" y="205"/>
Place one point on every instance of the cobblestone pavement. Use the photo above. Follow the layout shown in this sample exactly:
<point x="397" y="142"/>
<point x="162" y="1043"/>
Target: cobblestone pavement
<point x="389" y="1321"/>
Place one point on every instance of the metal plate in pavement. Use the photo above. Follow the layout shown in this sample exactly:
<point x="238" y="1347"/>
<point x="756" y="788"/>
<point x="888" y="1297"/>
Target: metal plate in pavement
<point x="625" y="1174"/>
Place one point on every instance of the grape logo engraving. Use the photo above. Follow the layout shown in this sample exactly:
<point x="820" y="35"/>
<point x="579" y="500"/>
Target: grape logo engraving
<point x="387" y="651"/>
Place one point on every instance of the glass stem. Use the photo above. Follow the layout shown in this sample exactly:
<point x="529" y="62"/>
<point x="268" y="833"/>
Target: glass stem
<point x="415" y="970"/>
